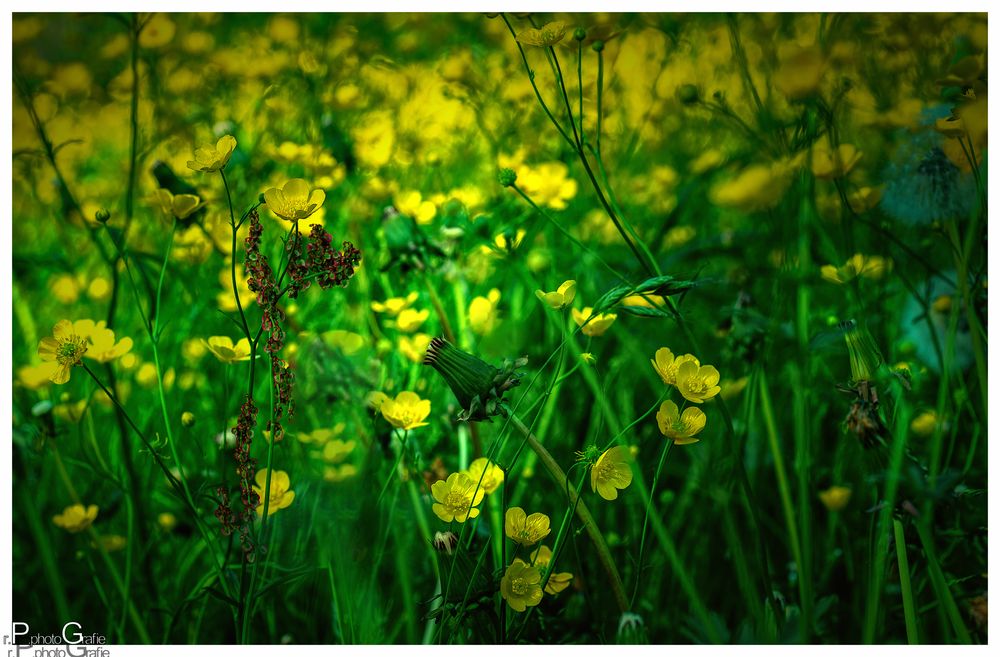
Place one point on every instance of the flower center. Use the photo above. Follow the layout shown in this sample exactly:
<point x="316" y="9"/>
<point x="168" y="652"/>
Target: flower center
<point x="519" y="586"/>
<point x="456" y="502"/>
<point x="606" y="472"/>
<point x="71" y="350"/>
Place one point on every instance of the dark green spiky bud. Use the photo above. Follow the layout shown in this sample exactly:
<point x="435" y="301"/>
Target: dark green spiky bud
<point x="477" y="385"/>
<point x="580" y="34"/>
<point x="102" y="216"/>
<point x="507" y="177"/>
<point x="865" y="356"/>
<point x="631" y="630"/>
<point x="687" y="94"/>
<point x="598" y="46"/>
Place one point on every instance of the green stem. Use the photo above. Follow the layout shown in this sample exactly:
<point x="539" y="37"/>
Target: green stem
<point x="582" y="512"/>
<point x="909" y="610"/>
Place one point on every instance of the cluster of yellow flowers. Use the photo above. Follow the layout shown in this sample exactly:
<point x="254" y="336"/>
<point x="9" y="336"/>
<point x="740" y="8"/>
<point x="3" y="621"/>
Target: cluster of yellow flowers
<point x="591" y="325"/>
<point x="697" y="383"/>
<point x="521" y="585"/>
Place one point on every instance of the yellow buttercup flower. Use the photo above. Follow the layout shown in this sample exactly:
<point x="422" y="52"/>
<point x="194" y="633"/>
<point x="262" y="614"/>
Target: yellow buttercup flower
<point x="595" y="326"/>
<point x="337" y="450"/>
<point x="835" y="498"/>
<point x="828" y="164"/>
<point x="456" y="498"/>
<point x="483" y="315"/>
<point x="546" y="35"/>
<point x="295" y="200"/>
<point x="66" y="347"/>
<point x="180" y="206"/>
<point x="406" y="411"/>
<point x="524" y="529"/>
<point x="680" y="427"/>
<point x="611" y="473"/>
<point x="103" y="347"/>
<point x="210" y="158"/>
<point x="414" y="348"/>
<point x="560" y="298"/>
<point x="486" y="474"/>
<point x="873" y="267"/>
<point x="281" y="496"/>
<point x="76" y="518"/>
<point x="557" y="581"/>
<point x="521" y="586"/>
<point x="395" y="305"/>
<point x="697" y="383"/>
<point x="410" y="319"/>
<point x="666" y="364"/>
<point x="34" y="377"/>
<point x="223" y="348"/>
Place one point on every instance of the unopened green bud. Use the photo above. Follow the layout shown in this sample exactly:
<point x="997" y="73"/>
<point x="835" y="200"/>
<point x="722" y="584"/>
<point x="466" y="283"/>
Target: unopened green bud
<point x="187" y="419"/>
<point x="598" y="46"/>
<point x="864" y="353"/>
<point x="687" y="94"/>
<point x="102" y="216"/>
<point x="580" y="34"/>
<point x="507" y="177"/>
<point x="477" y="385"/>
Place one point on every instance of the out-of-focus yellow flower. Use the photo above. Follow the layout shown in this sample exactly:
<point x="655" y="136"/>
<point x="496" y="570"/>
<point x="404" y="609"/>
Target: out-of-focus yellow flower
<point x="731" y="388"/>
<point x="180" y="206"/>
<point x="167" y="521"/>
<point x="413" y="205"/>
<point x="835" y="498"/>
<point x="295" y="200"/>
<point x="321" y="436"/>
<point x="281" y="496"/>
<point x="111" y="542"/>
<point x="222" y="347"/>
<point x="924" y="424"/>
<point x="486" y="474"/>
<point x="593" y="326"/>
<point x="414" y="348"/>
<point x="406" y="411"/>
<point x="508" y="242"/>
<point x="284" y="29"/>
<point x="757" y="187"/>
<point x="66" y="347"/>
<point x="99" y="289"/>
<point x="678" y="236"/>
<point x="560" y="298"/>
<point x="157" y="32"/>
<point x="611" y="473"/>
<point x="211" y="158"/>
<point x="65" y="288"/>
<point x="666" y="364"/>
<point x="707" y="161"/>
<point x="456" y="498"/>
<point x="697" y="383"/>
<point x="188" y="419"/>
<point x="800" y="72"/>
<point x="103" y="347"/>
<point x="76" y="518"/>
<point x="864" y="199"/>
<point x="547" y="35"/>
<point x="828" y="164"/>
<point x="547" y="184"/>
<point x="521" y="586"/>
<point x="483" y="315"/>
<point x="337" y="450"/>
<point x="375" y="399"/>
<point x="410" y="319"/>
<point x="557" y="581"/>
<point x="347" y="341"/>
<point x="34" y="377"/>
<point x="395" y="305"/>
<point x="71" y="412"/>
<point x="334" y="474"/>
<point x="680" y="427"/>
<point x="524" y="529"/>
<point x="873" y="267"/>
